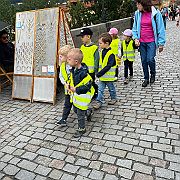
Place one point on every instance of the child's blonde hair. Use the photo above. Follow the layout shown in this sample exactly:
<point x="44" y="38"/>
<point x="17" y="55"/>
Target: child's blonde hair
<point x="77" y="54"/>
<point x="64" y="50"/>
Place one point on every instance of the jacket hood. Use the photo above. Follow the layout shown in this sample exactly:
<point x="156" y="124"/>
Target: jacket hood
<point x="153" y="9"/>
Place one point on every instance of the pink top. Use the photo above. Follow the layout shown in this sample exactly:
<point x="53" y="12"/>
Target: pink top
<point x="147" y="33"/>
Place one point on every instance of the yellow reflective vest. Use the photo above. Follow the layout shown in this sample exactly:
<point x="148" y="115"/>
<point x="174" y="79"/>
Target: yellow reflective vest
<point x="128" y="51"/>
<point x="88" y="56"/>
<point x="65" y="75"/>
<point x="110" y="75"/>
<point x="81" y="101"/>
<point x="114" y="47"/>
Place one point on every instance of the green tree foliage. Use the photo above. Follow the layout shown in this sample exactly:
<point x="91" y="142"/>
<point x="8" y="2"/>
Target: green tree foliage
<point x="7" y="12"/>
<point x="101" y="11"/>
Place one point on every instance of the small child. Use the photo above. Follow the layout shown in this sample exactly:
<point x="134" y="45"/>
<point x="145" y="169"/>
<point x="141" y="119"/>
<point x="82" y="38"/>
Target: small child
<point x="80" y="87"/>
<point x="128" y="54"/>
<point x="107" y="71"/>
<point x="90" y="54"/>
<point x="115" y="45"/>
<point x="64" y="76"/>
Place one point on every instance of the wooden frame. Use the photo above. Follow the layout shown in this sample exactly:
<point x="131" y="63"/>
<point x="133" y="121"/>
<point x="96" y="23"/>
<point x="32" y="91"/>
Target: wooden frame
<point x="7" y="75"/>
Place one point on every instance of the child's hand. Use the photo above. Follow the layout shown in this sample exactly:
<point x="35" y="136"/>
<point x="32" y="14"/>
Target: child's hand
<point x="72" y="89"/>
<point x="137" y="43"/>
<point x="67" y="86"/>
<point x="160" y="49"/>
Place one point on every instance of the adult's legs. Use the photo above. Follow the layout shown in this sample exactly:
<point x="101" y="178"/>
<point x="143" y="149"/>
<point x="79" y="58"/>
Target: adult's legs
<point x="143" y="53"/>
<point x="151" y="53"/>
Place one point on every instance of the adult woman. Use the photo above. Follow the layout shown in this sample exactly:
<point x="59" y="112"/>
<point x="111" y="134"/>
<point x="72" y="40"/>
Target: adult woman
<point x="149" y="34"/>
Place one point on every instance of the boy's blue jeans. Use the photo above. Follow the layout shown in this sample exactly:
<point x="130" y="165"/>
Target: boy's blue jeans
<point x="101" y="87"/>
<point x="148" y="53"/>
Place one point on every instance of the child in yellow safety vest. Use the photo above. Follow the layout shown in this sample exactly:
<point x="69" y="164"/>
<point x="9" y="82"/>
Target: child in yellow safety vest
<point x="115" y="45"/>
<point x="128" y="54"/>
<point x="90" y="54"/>
<point x="80" y="87"/>
<point x="107" y="71"/>
<point x="64" y="76"/>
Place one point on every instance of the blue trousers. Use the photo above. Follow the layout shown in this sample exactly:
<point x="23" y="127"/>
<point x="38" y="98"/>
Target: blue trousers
<point x="101" y="87"/>
<point x="148" y="53"/>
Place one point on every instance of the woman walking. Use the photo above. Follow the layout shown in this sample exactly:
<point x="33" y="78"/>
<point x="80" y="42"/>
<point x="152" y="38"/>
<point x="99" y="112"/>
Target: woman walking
<point x="149" y="34"/>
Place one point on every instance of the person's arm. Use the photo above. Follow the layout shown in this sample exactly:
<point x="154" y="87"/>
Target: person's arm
<point x="160" y="30"/>
<point x="84" y="89"/>
<point x="61" y="76"/>
<point x="111" y="63"/>
<point x="135" y="28"/>
<point x="96" y="61"/>
<point x="134" y="45"/>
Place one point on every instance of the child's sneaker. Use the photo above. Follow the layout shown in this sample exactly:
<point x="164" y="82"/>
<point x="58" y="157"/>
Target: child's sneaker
<point x="62" y="123"/>
<point x="96" y="105"/>
<point x="79" y="133"/>
<point x="126" y="80"/>
<point x="112" y="101"/>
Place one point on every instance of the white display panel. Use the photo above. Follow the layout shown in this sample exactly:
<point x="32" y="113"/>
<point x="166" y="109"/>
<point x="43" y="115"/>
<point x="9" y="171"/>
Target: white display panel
<point x="43" y="89"/>
<point x="22" y="87"/>
<point x="24" y="46"/>
<point x="45" y="52"/>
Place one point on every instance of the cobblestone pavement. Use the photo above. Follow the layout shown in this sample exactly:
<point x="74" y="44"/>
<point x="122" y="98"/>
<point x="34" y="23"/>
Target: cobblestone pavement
<point x="137" y="138"/>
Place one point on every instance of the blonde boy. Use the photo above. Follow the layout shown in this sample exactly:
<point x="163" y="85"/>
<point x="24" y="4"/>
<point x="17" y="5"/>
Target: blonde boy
<point x="80" y="87"/>
<point x="64" y="76"/>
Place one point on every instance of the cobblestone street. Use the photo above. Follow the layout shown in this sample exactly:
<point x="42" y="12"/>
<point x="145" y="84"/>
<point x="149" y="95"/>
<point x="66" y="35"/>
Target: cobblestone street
<point x="137" y="138"/>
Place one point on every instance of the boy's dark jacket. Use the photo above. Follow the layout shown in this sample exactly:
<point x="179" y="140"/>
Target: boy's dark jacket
<point x="78" y="76"/>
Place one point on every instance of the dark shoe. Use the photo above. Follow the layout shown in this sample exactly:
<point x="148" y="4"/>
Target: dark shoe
<point x="89" y="114"/>
<point x="152" y="79"/>
<point x="112" y="101"/>
<point x="96" y="105"/>
<point x="79" y="133"/>
<point x="126" y="81"/>
<point x="145" y="83"/>
<point x="62" y="123"/>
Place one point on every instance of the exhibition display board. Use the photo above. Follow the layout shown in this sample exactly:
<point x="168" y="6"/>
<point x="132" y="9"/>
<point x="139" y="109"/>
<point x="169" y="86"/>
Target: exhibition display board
<point x="39" y="35"/>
